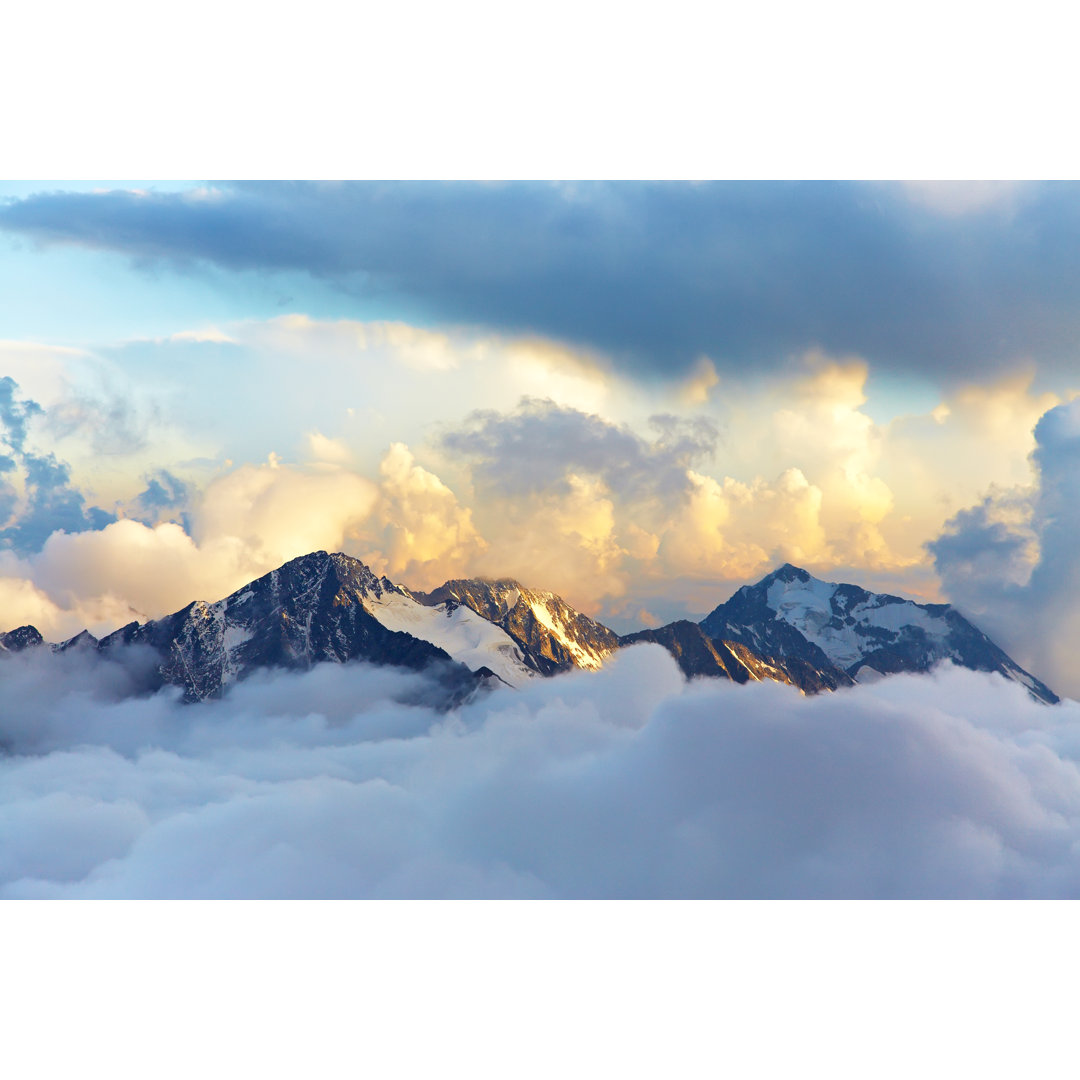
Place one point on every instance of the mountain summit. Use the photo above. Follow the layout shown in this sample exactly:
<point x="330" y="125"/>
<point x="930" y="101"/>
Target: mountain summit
<point x="858" y="635"/>
<point x="314" y="609"/>
<point x="789" y="627"/>
<point x="333" y="608"/>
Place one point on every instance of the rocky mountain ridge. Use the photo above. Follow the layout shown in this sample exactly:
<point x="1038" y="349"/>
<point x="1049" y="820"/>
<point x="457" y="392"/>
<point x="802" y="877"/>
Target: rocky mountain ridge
<point x="551" y="635"/>
<point x="853" y="635"/>
<point x="789" y="627"/>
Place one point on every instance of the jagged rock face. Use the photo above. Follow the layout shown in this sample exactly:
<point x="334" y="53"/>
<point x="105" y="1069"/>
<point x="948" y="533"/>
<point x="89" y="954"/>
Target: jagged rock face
<point x="854" y="633"/>
<point x="551" y="635"/>
<point x="466" y="636"/>
<point x="747" y="619"/>
<point x="789" y="627"/>
<point x="694" y="651"/>
<point x="312" y="609"/>
<point x="22" y="637"/>
<point x="82" y="641"/>
<point x="697" y="655"/>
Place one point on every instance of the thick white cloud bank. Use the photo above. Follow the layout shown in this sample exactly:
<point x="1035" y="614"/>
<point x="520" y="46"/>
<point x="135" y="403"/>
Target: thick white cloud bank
<point x="624" y="783"/>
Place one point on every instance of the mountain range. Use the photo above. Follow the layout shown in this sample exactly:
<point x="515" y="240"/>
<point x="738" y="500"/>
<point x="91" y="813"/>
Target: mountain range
<point x="789" y="627"/>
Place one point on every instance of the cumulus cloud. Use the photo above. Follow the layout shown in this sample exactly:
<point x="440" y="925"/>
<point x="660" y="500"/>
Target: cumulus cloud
<point x="628" y="782"/>
<point x="424" y="535"/>
<point x="273" y="508"/>
<point x="246" y="522"/>
<point x="642" y="500"/>
<point x="566" y="497"/>
<point x="822" y="429"/>
<point x="530" y="449"/>
<point x="794" y="467"/>
<point x="881" y="488"/>
<point x="980" y="433"/>
<point x="1012" y="558"/>
<point x="597" y="505"/>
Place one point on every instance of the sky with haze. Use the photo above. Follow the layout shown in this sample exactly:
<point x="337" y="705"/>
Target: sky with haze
<point x="638" y="395"/>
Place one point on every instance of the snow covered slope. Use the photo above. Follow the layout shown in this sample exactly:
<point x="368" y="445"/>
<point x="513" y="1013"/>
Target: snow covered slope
<point x="861" y="634"/>
<point x="317" y="608"/>
<point x="550" y="634"/>
<point x="313" y="609"/>
<point x="466" y="636"/>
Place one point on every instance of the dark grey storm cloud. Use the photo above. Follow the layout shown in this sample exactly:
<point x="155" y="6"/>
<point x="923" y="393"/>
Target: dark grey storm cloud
<point x="49" y="501"/>
<point x="627" y="782"/>
<point x="1013" y="559"/>
<point x="654" y="273"/>
<point x="533" y="448"/>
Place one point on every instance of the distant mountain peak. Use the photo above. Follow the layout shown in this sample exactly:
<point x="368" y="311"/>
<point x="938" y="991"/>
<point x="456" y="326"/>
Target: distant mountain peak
<point x="788" y="572"/>
<point x="82" y="640"/>
<point x="331" y="607"/>
<point x="855" y="633"/>
<point x="22" y="637"/>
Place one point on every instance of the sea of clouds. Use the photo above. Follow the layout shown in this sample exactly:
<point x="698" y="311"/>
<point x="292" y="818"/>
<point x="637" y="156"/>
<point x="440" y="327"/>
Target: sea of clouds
<point x="629" y="782"/>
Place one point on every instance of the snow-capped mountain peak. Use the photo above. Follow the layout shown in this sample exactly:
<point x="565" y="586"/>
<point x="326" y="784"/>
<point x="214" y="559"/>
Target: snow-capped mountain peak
<point x="789" y="627"/>
<point x="861" y="634"/>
